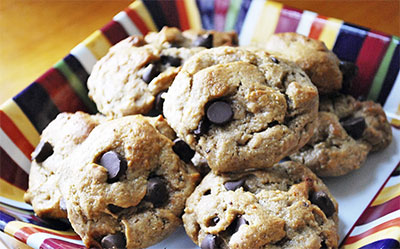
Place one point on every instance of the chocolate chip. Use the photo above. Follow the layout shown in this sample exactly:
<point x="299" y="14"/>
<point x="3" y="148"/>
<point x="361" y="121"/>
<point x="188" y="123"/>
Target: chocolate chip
<point x="202" y="128"/>
<point x="285" y="159"/>
<point x="150" y="72"/>
<point x="172" y="61"/>
<point x="115" y="165"/>
<point x="354" y="126"/>
<point x="235" y="225"/>
<point x="211" y="241"/>
<point x="157" y="192"/>
<point x="233" y="185"/>
<point x="212" y="222"/>
<point x="116" y="240"/>
<point x="159" y="102"/>
<point x="42" y="151"/>
<point x="323" y="245"/>
<point x="207" y="192"/>
<point x="219" y="113"/>
<point x="114" y="209"/>
<point x="322" y="200"/>
<point x="204" y="41"/>
<point x="349" y="71"/>
<point x="275" y="60"/>
<point x="183" y="150"/>
<point x="273" y="123"/>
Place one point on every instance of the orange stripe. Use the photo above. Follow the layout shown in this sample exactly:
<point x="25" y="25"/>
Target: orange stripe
<point x="317" y="27"/>
<point x="387" y="224"/>
<point x="140" y="24"/>
<point x="23" y="233"/>
<point x="15" y="135"/>
<point x="183" y="18"/>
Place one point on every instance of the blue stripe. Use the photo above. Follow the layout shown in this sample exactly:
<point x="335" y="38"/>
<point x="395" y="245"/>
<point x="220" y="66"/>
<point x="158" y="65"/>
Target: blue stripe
<point x="349" y="42"/>
<point x="206" y="8"/>
<point x="37" y="106"/>
<point x="242" y="15"/>
<point x="382" y="244"/>
<point x="4" y="219"/>
<point x="76" y="67"/>
<point x="156" y="13"/>
<point x="390" y="75"/>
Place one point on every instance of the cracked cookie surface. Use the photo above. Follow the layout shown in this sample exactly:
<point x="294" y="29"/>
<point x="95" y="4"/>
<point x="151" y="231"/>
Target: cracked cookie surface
<point x="241" y="109"/>
<point x="131" y="77"/>
<point x="125" y="180"/>
<point x="347" y="131"/>
<point x="285" y="206"/>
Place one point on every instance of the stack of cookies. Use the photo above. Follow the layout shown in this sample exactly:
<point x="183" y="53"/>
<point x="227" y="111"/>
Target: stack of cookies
<point x="227" y="139"/>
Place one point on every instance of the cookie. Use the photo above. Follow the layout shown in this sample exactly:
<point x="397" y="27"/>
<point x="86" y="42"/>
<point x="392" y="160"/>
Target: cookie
<point x="57" y="142"/>
<point x="131" y="77"/>
<point x="285" y="206"/>
<point x="126" y="180"/>
<point x="347" y="130"/>
<point x="241" y="109"/>
<point x="320" y="64"/>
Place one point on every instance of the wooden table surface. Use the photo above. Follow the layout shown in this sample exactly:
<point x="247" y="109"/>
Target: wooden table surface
<point x="34" y="34"/>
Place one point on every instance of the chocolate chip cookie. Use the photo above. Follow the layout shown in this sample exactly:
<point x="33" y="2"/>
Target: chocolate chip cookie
<point x="58" y="140"/>
<point x="347" y="130"/>
<point x="285" y="206"/>
<point x="131" y="77"/>
<point x="241" y="109"/>
<point x="126" y="185"/>
<point x="320" y="64"/>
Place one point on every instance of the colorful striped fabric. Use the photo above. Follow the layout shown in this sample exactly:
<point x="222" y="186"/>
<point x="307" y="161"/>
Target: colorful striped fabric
<point x="63" y="88"/>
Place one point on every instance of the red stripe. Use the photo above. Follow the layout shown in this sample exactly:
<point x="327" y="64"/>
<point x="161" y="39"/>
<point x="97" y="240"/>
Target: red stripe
<point x="288" y="20"/>
<point x="23" y="233"/>
<point x="60" y="92"/>
<point x="137" y="20"/>
<point x="53" y="243"/>
<point x="368" y="61"/>
<point x="183" y="18"/>
<point x="220" y="10"/>
<point x="387" y="224"/>
<point x="114" y="32"/>
<point x="11" y="172"/>
<point x="15" y="135"/>
<point x="317" y="27"/>
<point x="375" y="212"/>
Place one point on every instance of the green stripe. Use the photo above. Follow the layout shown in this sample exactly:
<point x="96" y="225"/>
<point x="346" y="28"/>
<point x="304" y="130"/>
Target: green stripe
<point x="382" y="70"/>
<point x="76" y="84"/>
<point x="231" y="16"/>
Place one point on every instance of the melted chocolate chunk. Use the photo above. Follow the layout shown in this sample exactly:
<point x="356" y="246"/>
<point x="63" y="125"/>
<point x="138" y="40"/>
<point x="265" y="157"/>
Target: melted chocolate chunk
<point x="212" y="222"/>
<point x="349" y="71"/>
<point x="114" y="209"/>
<point x="204" y="41"/>
<point x="115" y="165"/>
<point x="354" y="126"/>
<point x="157" y="192"/>
<point x="170" y="60"/>
<point x="322" y="200"/>
<point x="159" y="102"/>
<point x="116" y="240"/>
<point x="150" y="72"/>
<point x="211" y="241"/>
<point x="183" y="150"/>
<point x="43" y="151"/>
<point x="219" y="112"/>
<point x="202" y="128"/>
<point x="235" y="225"/>
<point x="275" y="60"/>
<point x="233" y="185"/>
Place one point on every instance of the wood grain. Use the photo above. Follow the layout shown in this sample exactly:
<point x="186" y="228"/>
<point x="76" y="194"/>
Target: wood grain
<point x="34" y="35"/>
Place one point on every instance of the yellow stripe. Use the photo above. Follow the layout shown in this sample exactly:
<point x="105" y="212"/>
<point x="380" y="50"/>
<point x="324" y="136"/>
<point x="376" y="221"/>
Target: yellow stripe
<point x="193" y="15"/>
<point x="21" y="121"/>
<point x="267" y="23"/>
<point x="9" y="191"/>
<point x="14" y="226"/>
<point x="389" y="233"/>
<point x="387" y="194"/>
<point x="330" y="32"/>
<point x="144" y="14"/>
<point x="97" y="43"/>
